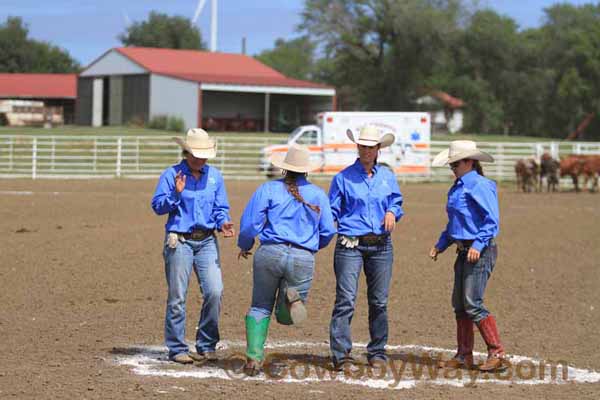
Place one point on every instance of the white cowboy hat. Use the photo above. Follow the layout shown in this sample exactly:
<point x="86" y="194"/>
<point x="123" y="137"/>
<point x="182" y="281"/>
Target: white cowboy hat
<point x="198" y="144"/>
<point x="369" y="136"/>
<point x="297" y="159"/>
<point x="460" y="150"/>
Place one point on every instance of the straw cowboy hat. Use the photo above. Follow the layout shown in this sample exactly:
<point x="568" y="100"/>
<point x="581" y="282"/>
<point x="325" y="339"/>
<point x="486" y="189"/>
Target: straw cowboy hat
<point x="369" y="136"/>
<point x="297" y="159"/>
<point x="460" y="150"/>
<point x="198" y="143"/>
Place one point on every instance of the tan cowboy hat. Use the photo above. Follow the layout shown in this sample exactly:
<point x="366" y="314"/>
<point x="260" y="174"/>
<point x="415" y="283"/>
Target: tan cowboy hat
<point x="297" y="159"/>
<point x="198" y="143"/>
<point x="369" y="136"/>
<point x="460" y="150"/>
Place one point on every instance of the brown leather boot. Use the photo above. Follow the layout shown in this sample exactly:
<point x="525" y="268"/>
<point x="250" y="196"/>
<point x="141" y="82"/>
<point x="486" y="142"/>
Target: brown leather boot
<point x="489" y="332"/>
<point x="465" y="340"/>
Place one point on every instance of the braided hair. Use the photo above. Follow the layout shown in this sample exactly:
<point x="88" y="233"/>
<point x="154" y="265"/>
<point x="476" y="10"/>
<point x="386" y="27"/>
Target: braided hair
<point x="292" y="187"/>
<point x="477" y="167"/>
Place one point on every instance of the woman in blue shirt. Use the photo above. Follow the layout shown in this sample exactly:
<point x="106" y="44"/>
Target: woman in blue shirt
<point x="293" y="220"/>
<point x="193" y="194"/>
<point x="473" y="223"/>
<point x="366" y="203"/>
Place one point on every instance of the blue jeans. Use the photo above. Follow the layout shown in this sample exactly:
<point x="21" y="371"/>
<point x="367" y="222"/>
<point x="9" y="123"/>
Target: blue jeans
<point x="377" y="261"/>
<point x="203" y="257"/>
<point x="470" y="281"/>
<point x="277" y="267"/>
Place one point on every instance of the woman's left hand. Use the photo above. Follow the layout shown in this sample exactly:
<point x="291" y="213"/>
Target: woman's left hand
<point x="389" y="221"/>
<point x="244" y="254"/>
<point x="473" y="256"/>
<point x="228" y="230"/>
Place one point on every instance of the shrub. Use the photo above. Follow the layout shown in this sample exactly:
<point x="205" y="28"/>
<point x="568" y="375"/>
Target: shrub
<point x="175" y="124"/>
<point x="158" y="122"/>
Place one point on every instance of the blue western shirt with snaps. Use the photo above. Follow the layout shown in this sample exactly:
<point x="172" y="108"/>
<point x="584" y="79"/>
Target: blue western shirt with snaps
<point x="277" y="217"/>
<point x="359" y="203"/>
<point x="473" y="212"/>
<point x="203" y="203"/>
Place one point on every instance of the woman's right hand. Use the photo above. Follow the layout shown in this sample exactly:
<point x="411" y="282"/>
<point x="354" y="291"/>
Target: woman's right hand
<point x="433" y="253"/>
<point x="179" y="182"/>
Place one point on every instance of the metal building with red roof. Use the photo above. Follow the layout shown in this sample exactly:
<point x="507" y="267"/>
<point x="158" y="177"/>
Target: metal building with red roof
<point x="219" y="91"/>
<point x="57" y="91"/>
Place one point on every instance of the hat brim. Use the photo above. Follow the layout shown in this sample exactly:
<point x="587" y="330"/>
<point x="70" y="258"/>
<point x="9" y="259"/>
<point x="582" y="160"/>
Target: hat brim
<point x="278" y="161"/>
<point x="209" y="152"/>
<point x="443" y="158"/>
<point x="387" y="139"/>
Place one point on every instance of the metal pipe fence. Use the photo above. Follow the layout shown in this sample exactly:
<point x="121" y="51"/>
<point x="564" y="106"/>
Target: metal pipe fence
<point x="69" y="157"/>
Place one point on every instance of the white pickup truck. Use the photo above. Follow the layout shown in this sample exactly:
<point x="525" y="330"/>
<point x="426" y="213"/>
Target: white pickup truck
<point x="329" y="144"/>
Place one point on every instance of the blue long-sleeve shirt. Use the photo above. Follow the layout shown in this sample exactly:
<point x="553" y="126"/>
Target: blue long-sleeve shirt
<point x="277" y="217"/>
<point x="203" y="203"/>
<point x="473" y="212"/>
<point x="359" y="203"/>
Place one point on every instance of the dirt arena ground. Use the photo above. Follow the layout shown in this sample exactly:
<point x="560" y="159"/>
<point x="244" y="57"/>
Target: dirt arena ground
<point x="82" y="283"/>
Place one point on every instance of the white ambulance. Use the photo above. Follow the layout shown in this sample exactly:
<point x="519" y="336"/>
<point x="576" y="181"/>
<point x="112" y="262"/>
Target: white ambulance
<point x="329" y="144"/>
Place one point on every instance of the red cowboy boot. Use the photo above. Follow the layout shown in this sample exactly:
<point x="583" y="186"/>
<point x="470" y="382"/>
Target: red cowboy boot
<point x="465" y="340"/>
<point x="489" y="332"/>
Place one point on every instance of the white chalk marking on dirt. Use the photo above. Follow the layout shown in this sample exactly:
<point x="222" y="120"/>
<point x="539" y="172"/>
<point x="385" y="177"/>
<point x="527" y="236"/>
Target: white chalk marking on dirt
<point x="16" y="193"/>
<point x="152" y="361"/>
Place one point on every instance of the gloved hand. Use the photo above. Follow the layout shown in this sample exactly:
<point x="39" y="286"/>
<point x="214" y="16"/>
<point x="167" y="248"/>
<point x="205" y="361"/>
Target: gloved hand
<point x="349" y="242"/>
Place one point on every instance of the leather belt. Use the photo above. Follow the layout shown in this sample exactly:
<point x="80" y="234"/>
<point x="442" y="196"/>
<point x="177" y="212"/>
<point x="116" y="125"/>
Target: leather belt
<point x="463" y="245"/>
<point x="372" y="239"/>
<point x="198" y="234"/>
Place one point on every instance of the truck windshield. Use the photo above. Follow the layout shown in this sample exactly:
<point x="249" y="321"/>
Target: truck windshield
<point x="307" y="138"/>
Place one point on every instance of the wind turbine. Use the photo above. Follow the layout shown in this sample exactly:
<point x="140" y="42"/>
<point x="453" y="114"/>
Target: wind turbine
<point x="213" y="21"/>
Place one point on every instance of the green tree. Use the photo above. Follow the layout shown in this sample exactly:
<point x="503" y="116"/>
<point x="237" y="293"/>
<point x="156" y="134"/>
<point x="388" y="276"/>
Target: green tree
<point x="163" y="31"/>
<point x="293" y="58"/>
<point x="18" y="53"/>
<point x="570" y="39"/>
<point x="383" y="52"/>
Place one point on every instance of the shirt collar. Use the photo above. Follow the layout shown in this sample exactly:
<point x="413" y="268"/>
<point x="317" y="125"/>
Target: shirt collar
<point x="186" y="169"/>
<point x="469" y="177"/>
<point x="361" y="170"/>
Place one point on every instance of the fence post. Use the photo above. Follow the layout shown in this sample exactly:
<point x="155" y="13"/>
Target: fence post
<point x="500" y="156"/>
<point x="137" y="154"/>
<point x="554" y="150"/>
<point x="34" y="159"/>
<point x="119" y="146"/>
<point x="53" y="155"/>
<point x="10" y="152"/>
<point x="220" y="144"/>
<point x="95" y="153"/>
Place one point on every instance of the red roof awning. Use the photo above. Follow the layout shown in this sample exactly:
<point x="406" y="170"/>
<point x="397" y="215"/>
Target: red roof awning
<point x="49" y="86"/>
<point x="210" y="67"/>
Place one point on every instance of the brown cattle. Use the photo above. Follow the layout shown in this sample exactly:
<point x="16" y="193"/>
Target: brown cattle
<point x="526" y="170"/>
<point x="549" y="170"/>
<point x="591" y="170"/>
<point x="586" y="165"/>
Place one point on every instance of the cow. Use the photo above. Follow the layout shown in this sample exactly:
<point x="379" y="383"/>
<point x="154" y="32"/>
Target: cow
<point x="591" y="170"/>
<point x="549" y="169"/>
<point x="527" y="170"/>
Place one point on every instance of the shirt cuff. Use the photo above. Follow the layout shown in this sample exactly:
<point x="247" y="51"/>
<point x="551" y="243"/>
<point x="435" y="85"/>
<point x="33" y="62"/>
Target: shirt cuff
<point x="175" y="197"/>
<point x="442" y="244"/>
<point x="478" y="245"/>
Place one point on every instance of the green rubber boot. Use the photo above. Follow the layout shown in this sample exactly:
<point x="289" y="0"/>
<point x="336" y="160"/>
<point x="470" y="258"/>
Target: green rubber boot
<point x="256" y="335"/>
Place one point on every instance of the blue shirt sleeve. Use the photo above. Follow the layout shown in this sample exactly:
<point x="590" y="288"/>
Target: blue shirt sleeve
<point x="484" y="195"/>
<point x="395" y="198"/>
<point x="326" y="226"/>
<point x="220" y="211"/>
<point x="166" y="198"/>
<point x="253" y="218"/>
<point x="444" y="241"/>
<point x="336" y="196"/>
